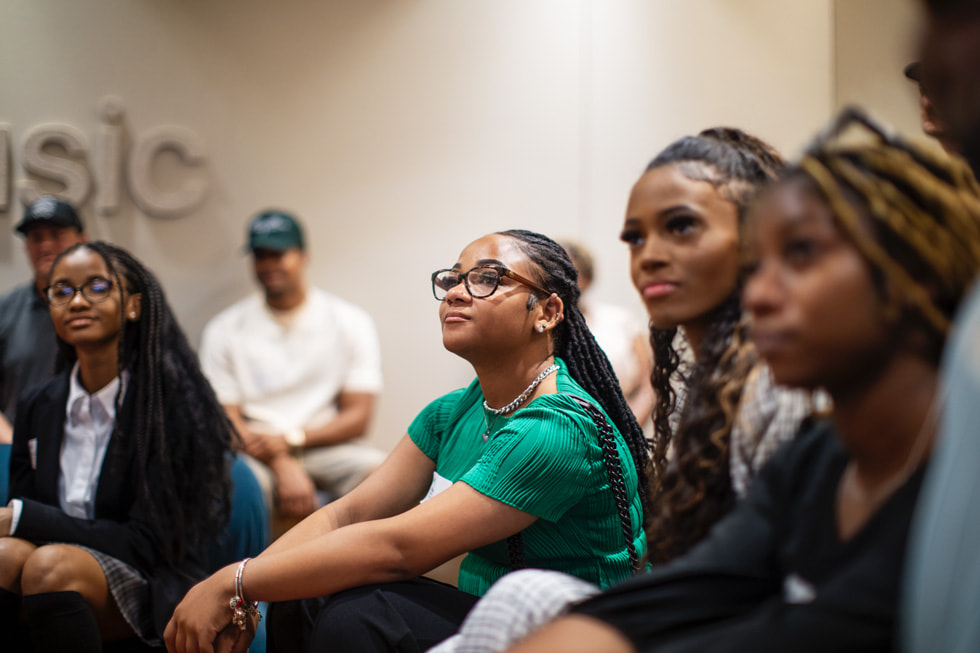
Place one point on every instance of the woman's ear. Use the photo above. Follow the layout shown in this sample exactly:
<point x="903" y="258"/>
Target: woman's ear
<point x="552" y="313"/>
<point x="134" y="307"/>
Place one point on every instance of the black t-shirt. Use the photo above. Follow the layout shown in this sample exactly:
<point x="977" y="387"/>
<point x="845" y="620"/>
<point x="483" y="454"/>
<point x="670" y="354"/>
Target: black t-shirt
<point x="773" y="575"/>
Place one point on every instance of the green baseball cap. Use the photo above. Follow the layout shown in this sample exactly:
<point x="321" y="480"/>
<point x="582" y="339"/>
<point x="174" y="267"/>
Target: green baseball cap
<point x="275" y="230"/>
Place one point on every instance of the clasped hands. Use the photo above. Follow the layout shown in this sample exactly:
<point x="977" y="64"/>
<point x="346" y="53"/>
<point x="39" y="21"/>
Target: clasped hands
<point x="201" y="623"/>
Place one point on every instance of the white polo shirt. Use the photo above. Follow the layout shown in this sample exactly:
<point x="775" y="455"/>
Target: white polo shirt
<point x="286" y="368"/>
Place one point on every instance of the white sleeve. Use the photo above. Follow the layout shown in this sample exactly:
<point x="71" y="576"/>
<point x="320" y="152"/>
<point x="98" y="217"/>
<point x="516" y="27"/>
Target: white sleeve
<point x="217" y="364"/>
<point x="364" y="368"/>
<point x="18" y="507"/>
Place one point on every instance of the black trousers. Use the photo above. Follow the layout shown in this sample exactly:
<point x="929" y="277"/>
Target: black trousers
<point x="407" y="616"/>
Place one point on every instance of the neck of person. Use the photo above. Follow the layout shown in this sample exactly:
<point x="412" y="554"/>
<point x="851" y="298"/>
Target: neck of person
<point x="503" y="379"/>
<point x="286" y="300"/>
<point x="888" y="425"/>
<point x="97" y="366"/>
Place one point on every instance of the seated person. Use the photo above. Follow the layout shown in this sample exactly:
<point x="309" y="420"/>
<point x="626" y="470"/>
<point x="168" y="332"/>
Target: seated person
<point x="860" y="257"/>
<point x="719" y="414"/>
<point x="118" y="473"/>
<point x="49" y="227"/>
<point x="297" y="369"/>
<point x="539" y="462"/>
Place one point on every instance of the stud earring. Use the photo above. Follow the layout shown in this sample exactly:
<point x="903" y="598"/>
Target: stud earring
<point x="540" y="328"/>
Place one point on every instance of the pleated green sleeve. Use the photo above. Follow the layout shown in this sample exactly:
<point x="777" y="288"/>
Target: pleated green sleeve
<point x="428" y="427"/>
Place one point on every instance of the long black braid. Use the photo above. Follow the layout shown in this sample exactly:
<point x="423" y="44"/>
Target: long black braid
<point x="182" y="434"/>
<point x="586" y="361"/>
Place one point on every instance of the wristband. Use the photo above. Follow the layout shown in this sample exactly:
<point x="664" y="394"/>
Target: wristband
<point x="296" y="439"/>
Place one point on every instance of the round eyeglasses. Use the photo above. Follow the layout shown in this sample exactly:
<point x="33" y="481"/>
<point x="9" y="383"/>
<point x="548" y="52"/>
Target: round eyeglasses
<point x="95" y="290"/>
<point x="481" y="281"/>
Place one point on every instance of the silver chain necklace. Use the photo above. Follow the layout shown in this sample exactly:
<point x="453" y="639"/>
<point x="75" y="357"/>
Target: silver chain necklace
<point x="524" y="395"/>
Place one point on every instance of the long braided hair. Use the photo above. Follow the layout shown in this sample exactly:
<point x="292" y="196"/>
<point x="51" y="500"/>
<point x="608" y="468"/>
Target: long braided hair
<point x="692" y="489"/>
<point x="181" y="433"/>
<point x="586" y="362"/>
<point x="913" y="214"/>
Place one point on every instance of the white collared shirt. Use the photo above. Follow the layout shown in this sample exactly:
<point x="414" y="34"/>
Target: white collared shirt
<point x="89" y="419"/>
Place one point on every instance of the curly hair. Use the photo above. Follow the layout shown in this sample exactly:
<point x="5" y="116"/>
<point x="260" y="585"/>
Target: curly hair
<point x="181" y="432"/>
<point x="691" y="487"/>
<point x="586" y="362"/>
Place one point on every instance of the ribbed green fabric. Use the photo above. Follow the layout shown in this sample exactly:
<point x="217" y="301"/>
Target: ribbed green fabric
<point x="546" y="460"/>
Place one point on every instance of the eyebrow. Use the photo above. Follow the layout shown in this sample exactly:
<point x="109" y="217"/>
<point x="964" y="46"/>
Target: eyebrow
<point x="482" y="262"/>
<point x="673" y="208"/>
<point x="87" y="279"/>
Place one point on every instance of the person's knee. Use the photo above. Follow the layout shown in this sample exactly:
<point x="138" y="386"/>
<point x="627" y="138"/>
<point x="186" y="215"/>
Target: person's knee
<point x="354" y="620"/>
<point x="52" y="568"/>
<point x="13" y="554"/>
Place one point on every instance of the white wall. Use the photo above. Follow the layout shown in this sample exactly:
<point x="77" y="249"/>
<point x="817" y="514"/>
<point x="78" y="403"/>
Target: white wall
<point x="875" y="40"/>
<point x="402" y="129"/>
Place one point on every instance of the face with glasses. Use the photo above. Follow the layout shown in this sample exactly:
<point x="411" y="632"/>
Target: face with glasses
<point x="484" y="299"/>
<point x="87" y="307"/>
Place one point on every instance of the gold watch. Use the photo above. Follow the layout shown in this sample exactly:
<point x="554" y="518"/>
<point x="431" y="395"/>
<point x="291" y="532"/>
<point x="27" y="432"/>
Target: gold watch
<point x="296" y="439"/>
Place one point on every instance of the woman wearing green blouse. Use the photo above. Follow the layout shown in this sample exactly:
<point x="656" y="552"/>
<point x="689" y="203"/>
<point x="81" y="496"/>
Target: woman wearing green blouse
<point x="538" y="463"/>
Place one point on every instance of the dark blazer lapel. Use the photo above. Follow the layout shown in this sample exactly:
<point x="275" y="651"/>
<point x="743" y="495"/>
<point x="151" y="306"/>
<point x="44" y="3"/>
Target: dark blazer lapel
<point x="117" y="466"/>
<point x="49" y="430"/>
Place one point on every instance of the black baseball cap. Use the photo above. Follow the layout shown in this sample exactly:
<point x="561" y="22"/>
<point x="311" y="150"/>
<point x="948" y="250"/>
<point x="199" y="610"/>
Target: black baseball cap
<point x="275" y="230"/>
<point x="49" y="209"/>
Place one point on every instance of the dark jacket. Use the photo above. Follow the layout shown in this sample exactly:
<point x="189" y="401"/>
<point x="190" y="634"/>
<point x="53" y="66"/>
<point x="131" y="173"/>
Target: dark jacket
<point x="120" y="527"/>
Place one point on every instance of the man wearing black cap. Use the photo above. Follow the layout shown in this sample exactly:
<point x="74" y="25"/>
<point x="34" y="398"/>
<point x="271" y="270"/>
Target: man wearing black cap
<point x="298" y="370"/>
<point x="27" y="340"/>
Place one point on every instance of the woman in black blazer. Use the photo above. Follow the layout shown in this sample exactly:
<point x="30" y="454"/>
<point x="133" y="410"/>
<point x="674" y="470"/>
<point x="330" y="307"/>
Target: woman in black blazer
<point x="118" y="473"/>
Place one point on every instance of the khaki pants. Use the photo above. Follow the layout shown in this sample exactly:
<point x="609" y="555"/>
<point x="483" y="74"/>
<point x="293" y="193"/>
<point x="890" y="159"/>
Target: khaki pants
<point x="335" y="470"/>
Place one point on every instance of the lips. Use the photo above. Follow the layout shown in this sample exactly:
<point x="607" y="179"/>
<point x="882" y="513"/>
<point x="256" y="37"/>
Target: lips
<point x="79" y="321"/>
<point x="769" y="342"/>
<point x="455" y="316"/>
<point x="653" y="289"/>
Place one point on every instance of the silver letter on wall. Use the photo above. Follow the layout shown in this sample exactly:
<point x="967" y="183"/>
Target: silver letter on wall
<point x="72" y="174"/>
<point x="151" y="199"/>
<point x="108" y="156"/>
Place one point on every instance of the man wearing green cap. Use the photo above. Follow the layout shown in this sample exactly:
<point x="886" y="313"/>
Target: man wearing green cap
<point x="298" y="370"/>
<point x="27" y="340"/>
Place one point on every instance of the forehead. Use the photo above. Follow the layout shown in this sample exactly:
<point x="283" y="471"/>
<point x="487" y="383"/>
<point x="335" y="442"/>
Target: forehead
<point x="43" y="230"/>
<point x="493" y="247"/>
<point x="667" y="186"/>
<point x="787" y="206"/>
<point x="80" y="264"/>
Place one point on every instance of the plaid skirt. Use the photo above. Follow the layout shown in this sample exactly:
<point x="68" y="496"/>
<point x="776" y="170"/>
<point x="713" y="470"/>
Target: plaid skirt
<point x="131" y="593"/>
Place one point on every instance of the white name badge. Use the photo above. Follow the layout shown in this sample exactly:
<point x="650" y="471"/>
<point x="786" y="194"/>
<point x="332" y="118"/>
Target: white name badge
<point x="439" y="483"/>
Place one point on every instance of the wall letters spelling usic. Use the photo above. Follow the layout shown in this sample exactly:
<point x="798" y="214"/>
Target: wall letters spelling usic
<point x="59" y="153"/>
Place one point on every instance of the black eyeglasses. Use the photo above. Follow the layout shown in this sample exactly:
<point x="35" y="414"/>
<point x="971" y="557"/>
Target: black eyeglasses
<point x="94" y="290"/>
<point x="481" y="281"/>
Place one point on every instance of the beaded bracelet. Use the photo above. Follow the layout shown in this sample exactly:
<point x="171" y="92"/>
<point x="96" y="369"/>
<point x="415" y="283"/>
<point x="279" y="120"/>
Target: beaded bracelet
<point x="242" y="609"/>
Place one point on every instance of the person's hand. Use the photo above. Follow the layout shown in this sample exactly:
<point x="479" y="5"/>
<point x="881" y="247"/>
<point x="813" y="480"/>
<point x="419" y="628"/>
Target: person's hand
<point x="6" y="519"/>
<point x="6" y="431"/>
<point x="297" y="494"/>
<point x="263" y="445"/>
<point x="203" y="614"/>
<point x="235" y="640"/>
